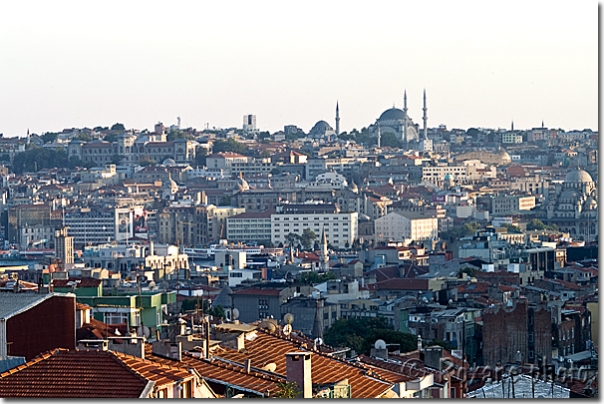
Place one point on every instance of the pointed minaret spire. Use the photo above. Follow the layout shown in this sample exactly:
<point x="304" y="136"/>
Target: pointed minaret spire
<point x="425" y="117"/>
<point x="405" y="117"/>
<point x="379" y="136"/>
<point x="512" y="125"/>
<point x="542" y="124"/>
<point x="337" y="118"/>
<point x="324" y="252"/>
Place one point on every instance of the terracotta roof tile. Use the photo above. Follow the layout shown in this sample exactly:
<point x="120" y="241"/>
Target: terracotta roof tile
<point x="268" y="348"/>
<point x="86" y="374"/>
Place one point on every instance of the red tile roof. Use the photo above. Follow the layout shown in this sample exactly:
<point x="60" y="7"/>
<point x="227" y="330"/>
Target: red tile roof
<point x="86" y="374"/>
<point x="96" y="329"/>
<point x="403" y="284"/>
<point x="269" y="348"/>
<point x="224" y="373"/>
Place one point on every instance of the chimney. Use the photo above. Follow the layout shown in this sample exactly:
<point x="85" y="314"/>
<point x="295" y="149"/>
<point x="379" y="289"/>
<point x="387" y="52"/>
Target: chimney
<point x="433" y="357"/>
<point x="299" y="371"/>
<point x="248" y="365"/>
<point x="241" y="342"/>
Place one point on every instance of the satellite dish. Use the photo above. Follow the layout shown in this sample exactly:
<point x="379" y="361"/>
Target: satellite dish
<point x="287" y="329"/>
<point x="270" y="367"/>
<point x="288" y="318"/>
<point x="319" y="341"/>
<point x="380" y="344"/>
<point x="235" y="314"/>
<point x="143" y="330"/>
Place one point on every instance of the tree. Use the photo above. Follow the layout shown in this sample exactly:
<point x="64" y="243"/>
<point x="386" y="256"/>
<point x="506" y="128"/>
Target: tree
<point x="467" y="270"/>
<point x="536" y="224"/>
<point x="84" y="136"/>
<point x="511" y="228"/>
<point x="389" y="139"/>
<point x="175" y="134"/>
<point x="287" y="390"/>
<point x="225" y="200"/>
<point x="37" y="158"/>
<point x="361" y="334"/>
<point x="201" y="154"/>
<point x="49" y="137"/>
<point x="118" y="126"/>
<point x="116" y="159"/>
<point x="230" y="145"/>
<point x="312" y="277"/>
<point x="307" y="238"/>
<point x="111" y="137"/>
<point x="291" y="239"/>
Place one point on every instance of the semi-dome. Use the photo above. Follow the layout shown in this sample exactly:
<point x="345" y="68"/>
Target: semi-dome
<point x="578" y="176"/>
<point x="392" y="114"/>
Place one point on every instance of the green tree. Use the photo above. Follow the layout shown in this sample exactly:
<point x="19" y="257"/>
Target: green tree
<point x="49" y="137"/>
<point x="225" y="200"/>
<point x="287" y="390"/>
<point x="312" y="277"/>
<point x="37" y="158"/>
<point x="116" y="159"/>
<point x="536" y="224"/>
<point x="445" y="344"/>
<point x="291" y="239"/>
<point x="118" y="126"/>
<point x="511" y="228"/>
<point x="175" y="134"/>
<point x="111" y="137"/>
<point x="467" y="270"/>
<point x="307" y="238"/>
<point x="230" y="145"/>
<point x="84" y="136"/>
<point x="389" y="139"/>
<point x="201" y="154"/>
<point x="361" y="334"/>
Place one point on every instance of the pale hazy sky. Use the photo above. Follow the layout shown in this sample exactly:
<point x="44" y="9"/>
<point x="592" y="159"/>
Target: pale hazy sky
<point x="70" y="64"/>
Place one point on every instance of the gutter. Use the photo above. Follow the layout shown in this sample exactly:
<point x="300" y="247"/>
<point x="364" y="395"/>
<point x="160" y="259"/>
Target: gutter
<point x="147" y="390"/>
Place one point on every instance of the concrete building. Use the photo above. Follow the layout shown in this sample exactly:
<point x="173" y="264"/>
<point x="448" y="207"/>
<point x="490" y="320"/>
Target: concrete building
<point x="508" y="204"/>
<point x="341" y="229"/>
<point x="411" y="226"/>
<point x="247" y="227"/>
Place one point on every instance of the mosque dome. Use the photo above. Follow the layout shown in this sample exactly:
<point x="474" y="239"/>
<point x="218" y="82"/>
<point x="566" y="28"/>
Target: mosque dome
<point x="169" y="162"/>
<point x="392" y="114"/>
<point x="504" y="157"/>
<point x="591" y="203"/>
<point x="578" y="176"/>
<point x="321" y="127"/>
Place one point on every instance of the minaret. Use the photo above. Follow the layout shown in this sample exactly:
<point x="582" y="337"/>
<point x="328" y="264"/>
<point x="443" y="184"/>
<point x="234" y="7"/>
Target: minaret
<point x="379" y="136"/>
<point x="405" y="117"/>
<point x="512" y="126"/>
<point x="425" y="117"/>
<point x="337" y="119"/>
<point x="324" y="253"/>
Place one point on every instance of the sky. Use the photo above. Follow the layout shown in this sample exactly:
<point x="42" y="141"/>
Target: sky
<point x="66" y="64"/>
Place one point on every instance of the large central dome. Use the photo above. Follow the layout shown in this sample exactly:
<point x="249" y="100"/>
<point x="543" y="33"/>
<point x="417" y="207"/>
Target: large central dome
<point x="578" y="176"/>
<point x="392" y="114"/>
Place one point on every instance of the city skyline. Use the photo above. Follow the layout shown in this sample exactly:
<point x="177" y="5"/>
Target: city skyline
<point x="482" y="65"/>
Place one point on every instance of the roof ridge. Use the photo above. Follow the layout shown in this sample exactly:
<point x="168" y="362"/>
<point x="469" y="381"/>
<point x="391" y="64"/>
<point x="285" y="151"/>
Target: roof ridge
<point x="120" y="362"/>
<point x="37" y="359"/>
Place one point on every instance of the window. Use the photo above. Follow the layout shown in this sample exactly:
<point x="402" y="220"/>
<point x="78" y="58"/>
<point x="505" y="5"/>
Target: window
<point x="162" y="393"/>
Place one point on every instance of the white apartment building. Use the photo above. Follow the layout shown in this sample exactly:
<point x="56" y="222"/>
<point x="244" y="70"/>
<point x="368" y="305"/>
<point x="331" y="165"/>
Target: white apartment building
<point x="398" y="226"/>
<point x="340" y="228"/>
<point x="251" y="226"/>
<point x="511" y="138"/>
<point x="436" y="174"/>
<point x="100" y="225"/>
<point x="224" y="160"/>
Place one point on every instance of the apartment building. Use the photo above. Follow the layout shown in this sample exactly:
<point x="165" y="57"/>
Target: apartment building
<point x="507" y="204"/>
<point x="252" y="226"/>
<point x="341" y="229"/>
<point x="408" y="225"/>
<point x="436" y="174"/>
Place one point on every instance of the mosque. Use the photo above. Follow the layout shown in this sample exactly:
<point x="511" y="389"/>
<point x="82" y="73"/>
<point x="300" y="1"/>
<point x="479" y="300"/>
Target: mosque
<point x="397" y="121"/>
<point x="573" y="206"/>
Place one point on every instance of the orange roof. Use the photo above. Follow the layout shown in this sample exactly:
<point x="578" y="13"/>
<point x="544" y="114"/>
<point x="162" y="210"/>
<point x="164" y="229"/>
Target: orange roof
<point x="224" y="373"/>
<point x="86" y="374"/>
<point x="269" y="348"/>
